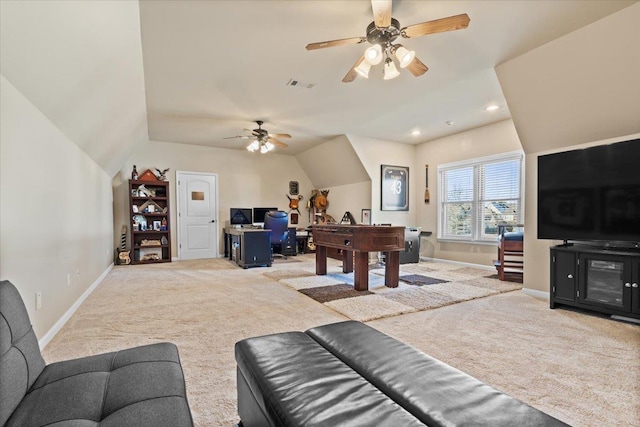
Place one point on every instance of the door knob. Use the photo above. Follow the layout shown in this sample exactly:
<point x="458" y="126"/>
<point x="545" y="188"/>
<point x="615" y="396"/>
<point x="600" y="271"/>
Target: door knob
<point x="634" y="285"/>
<point x="569" y="276"/>
<point x="627" y="285"/>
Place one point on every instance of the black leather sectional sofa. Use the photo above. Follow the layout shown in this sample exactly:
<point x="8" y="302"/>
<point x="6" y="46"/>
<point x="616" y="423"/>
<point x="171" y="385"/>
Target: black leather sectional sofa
<point x="349" y="374"/>
<point x="138" y="387"/>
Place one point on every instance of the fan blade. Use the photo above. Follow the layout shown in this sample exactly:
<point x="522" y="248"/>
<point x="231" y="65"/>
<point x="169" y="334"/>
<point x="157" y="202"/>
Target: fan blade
<point x="238" y="136"/>
<point x="381" y="12"/>
<point x="457" y="22"/>
<point x="352" y="74"/>
<point x="277" y="143"/>
<point x="279" y="135"/>
<point x="416" y="67"/>
<point x="332" y="43"/>
<point x="250" y="132"/>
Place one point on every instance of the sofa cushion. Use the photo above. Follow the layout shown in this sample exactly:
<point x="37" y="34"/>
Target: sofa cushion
<point x="434" y="392"/>
<point x="20" y="358"/>
<point x="142" y="386"/>
<point x="294" y="381"/>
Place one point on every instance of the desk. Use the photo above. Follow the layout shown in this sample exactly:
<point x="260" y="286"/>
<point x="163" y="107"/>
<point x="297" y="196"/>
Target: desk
<point x="356" y="241"/>
<point x="248" y="247"/>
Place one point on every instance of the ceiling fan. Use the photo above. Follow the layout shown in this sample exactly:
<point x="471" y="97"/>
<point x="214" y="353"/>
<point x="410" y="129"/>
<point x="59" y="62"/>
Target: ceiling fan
<point x="262" y="139"/>
<point x="381" y="34"/>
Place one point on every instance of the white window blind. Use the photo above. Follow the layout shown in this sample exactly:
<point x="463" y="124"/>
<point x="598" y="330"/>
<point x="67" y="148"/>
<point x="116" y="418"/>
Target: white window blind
<point x="477" y="195"/>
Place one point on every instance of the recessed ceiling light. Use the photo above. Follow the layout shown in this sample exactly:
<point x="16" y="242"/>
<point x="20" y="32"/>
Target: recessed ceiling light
<point x="492" y="108"/>
<point x="449" y="122"/>
<point x="415" y="132"/>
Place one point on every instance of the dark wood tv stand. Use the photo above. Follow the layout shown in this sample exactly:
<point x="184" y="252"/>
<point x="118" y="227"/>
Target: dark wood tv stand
<point x="601" y="279"/>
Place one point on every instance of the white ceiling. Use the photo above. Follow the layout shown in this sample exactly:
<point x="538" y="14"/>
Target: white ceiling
<point x="213" y="67"/>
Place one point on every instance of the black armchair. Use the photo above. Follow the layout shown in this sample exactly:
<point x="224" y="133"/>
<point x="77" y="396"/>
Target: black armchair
<point x="278" y="223"/>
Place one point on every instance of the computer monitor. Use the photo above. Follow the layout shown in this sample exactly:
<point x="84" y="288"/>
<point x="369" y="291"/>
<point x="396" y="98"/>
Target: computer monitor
<point x="259" y="213"/>
<point x="240" y="216"/>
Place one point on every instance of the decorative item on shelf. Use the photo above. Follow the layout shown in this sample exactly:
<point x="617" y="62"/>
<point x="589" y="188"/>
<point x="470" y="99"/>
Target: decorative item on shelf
<point x="162" y="174"/>
<point x="366" y="217"/>
<point x="148" y="176"/>
<point x="164" y="240"/>
<point x="293" y="202"/>
<point x="163" y="225"/>
<point x="150" y="242"/>
<point x="151" y="257"/>
<point x="347" y="218"/>
<point x="140" y="220"/>
<point x="134" y="173"/>
<point x="143" y="191"/>
<point x="134" y="208"/>
<point x="151" y="207"/>
<point x="156" y="225"/>
<point x="294" y="218"/>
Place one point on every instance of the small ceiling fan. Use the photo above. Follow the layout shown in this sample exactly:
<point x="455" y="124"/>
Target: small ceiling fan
<point x="262" y="139"/>
<point x="381" y="34"/>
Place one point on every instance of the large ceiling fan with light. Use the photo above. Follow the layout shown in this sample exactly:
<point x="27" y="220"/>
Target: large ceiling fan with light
<point x="262" y="140"/>
<point x="382" y="33"/>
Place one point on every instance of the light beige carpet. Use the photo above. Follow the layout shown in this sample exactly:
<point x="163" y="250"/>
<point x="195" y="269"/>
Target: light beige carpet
<point x="583" y="369"/>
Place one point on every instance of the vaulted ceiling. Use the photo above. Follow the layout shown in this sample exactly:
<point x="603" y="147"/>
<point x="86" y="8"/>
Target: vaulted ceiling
<point x="112" y="74"/>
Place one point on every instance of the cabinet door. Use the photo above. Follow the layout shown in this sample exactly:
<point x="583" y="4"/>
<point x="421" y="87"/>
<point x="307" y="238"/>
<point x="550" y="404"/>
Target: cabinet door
<point x="563" y="276"/>
<point x="605" y="281"/>
<point x="635" y="287"/>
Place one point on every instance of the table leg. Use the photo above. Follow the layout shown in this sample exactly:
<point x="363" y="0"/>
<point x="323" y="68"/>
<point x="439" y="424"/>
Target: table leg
<point x="361" y="271"/>
<point x="392" y="269"/>
<point x="321" y="260"/>
<point x="347" y="261"/>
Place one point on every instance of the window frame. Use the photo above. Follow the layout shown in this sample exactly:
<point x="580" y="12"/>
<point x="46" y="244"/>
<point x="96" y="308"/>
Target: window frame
<point x="476" y="215"/>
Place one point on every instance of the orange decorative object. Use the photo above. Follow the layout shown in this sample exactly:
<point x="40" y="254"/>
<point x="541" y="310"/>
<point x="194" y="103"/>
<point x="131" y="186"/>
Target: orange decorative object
<point x="148" y="176"/>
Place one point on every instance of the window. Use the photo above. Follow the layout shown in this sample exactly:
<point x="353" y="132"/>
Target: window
<point x="477" y="195"/>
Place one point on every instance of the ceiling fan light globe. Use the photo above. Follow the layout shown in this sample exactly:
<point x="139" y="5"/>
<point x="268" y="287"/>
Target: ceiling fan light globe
<point x="373" y="54"/>
<point x="253" y="146"/>
<point x="404" y="56"/>
<point x="264" y="149"/>
<point x="363" y="69"/>
<point x="390" y="70"/>
<point x="269" y="146"/>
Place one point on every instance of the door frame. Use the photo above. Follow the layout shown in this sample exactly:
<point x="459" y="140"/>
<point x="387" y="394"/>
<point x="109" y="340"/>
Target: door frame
<point x="216" y="232"/>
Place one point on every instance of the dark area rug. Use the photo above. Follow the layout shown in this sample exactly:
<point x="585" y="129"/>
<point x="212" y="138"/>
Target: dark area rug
<point x="420" y="280"/>
<point x="324" y="294"/>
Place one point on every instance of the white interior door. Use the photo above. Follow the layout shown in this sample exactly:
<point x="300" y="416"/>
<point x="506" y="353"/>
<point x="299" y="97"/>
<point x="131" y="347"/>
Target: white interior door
<point x="197" y="215"/>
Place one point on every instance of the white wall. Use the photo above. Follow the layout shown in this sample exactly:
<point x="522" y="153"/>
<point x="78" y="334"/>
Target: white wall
<point x="579" y="88"/>
<point x="245" y="180"/>
<point x="55" y="211"/>
<point x="488" y="140"/>
<point x="373" y="153"/>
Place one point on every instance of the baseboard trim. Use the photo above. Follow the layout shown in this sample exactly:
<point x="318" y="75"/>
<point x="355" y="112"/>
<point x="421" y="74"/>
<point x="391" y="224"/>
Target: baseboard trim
<point x="465" y="264"/>
<point x="46" y="339"/>
<point x="536" y="293"/>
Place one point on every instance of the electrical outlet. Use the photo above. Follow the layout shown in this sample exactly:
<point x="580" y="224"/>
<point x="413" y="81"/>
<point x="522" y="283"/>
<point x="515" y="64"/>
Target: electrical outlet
<point x="68" y="279"/>
<point x="38" y="300"/>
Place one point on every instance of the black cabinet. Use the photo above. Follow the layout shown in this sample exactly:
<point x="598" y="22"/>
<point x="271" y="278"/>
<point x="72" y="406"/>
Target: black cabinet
<point x="249" y="248"/>
<point x="597" y="279"/>
<point x="289" y="246"/>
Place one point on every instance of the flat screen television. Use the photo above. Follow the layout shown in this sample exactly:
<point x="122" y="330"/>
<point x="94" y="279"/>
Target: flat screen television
<point x="592" y="194"/>
<point x="259" y="213"/>
<point x="240" y="216"/>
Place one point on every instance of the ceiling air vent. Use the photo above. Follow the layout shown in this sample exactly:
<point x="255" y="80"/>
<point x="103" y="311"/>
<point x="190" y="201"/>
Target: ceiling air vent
<point x="298" y="83"/>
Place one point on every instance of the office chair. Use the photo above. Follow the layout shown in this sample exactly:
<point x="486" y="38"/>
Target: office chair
<point x="278" y="223"/>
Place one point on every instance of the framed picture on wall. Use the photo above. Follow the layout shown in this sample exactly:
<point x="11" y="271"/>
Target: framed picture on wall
<point x="394" y="188"/>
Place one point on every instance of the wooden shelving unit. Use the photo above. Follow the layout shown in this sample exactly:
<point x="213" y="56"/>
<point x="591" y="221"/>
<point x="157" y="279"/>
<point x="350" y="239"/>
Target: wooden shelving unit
<point x="150" y="221"/>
